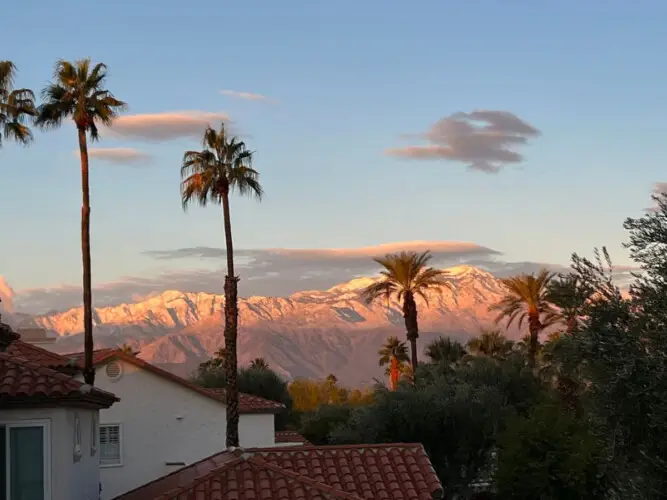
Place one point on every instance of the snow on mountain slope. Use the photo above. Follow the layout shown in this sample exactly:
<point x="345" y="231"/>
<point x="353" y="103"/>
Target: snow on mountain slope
<point x="310" y="333"/>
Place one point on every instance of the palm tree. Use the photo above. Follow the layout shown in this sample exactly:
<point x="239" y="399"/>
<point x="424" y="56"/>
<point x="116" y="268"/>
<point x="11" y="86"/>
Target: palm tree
<point x="526" y="300"/>
<point x="445" y="350"/>
<point x="569" y="294"/>
<point x="393" y="353"/>
<point x="15" y="106"/>
<point x="405" y="276"/>
<point x="259" y="364"/>
<point x="210" y="176"/>
<point x="490" y="343"/>
<point x="77" y="92"/>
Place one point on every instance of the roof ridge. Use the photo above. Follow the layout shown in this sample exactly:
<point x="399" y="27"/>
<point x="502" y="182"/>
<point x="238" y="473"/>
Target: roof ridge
<point x="200" y="479"/>
<point x="325" y="488"/>
<point x="115" y="353"/>
<point x="313" y="447"/>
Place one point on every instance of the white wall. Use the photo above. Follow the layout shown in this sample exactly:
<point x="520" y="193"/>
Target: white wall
<point x="70" y="480"/>
<point x="165" y="422"/>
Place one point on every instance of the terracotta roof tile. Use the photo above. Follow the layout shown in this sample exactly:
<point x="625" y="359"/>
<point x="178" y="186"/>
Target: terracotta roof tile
<point x="38" y="355"/>
<point x="23" y="382"/>
<point x="290" y="437"/>
<point x="362" y="472"/>
<point x="247" y="402"/>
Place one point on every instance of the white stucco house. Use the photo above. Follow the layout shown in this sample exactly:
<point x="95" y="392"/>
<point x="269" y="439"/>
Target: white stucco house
<point x="163" y="422"/>
<point x="49" y="424"/>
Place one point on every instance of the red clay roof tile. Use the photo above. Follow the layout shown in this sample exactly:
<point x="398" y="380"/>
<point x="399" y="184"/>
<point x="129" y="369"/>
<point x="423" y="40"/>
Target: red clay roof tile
<point x="290" y="437"/>
<point x="362" y="472"/>
<point x="23" y="382"/>
<point x="38" y="355"/>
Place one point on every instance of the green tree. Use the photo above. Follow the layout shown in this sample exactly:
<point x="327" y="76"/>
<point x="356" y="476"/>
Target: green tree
<point x="490" y="343"/>
<point x="393" y="354"/>
<point x="406" y="275"/>
<point x="258" y="381"/>
<point x="569" y="294"/>
<point x="548" y="455"/>
<point x="445" y="350"/>
<point x="210" y="176"/>
<point x="78" y="92"/>
<point x="526" y="301"/>
<point x="16" y="106"/>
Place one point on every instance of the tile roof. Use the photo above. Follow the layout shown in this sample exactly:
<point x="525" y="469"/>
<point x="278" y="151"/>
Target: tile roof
<point x="360" y="472"/>
<point x="247" y="402"/>
<point x="38" y="355"/>
<point x="290" y="437"/>
<point x="26" y="383"/>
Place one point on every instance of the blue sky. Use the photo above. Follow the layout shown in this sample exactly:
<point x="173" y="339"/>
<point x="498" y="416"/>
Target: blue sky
<point x="350" y="78"/>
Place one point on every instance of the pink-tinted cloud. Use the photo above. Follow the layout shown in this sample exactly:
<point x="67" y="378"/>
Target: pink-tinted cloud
<point x="485" y="140"/>
<point x="166" y="126"/>
<point x="119" y="156"/>
<point x="248" y="96"/>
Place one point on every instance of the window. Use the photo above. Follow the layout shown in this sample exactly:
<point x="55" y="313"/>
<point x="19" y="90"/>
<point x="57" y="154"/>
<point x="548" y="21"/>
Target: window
<point x="24" y="464"/>
<point x="111" y="450"/>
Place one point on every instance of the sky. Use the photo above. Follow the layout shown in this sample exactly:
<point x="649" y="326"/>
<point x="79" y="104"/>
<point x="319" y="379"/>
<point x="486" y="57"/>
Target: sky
<point x="528" y="130"/>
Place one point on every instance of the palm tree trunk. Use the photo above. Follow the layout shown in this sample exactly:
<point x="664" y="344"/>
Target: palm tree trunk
<point x="534" y="327"/>
<point x="571" y="324"/>
<point x="88" y="370"/>
<point x="231" y="326"/>
<point x="394" y="373"/>
<point x="411" y="326"/>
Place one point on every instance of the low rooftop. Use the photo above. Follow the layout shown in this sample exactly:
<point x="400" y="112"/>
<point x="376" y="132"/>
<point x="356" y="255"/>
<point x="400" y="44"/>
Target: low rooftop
<point x="360" y="472"/>
<point x="24" y="383"/>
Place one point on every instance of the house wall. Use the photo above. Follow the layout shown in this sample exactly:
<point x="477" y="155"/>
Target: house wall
<point x="70" y="479"/>
<point x="163" y="422"/>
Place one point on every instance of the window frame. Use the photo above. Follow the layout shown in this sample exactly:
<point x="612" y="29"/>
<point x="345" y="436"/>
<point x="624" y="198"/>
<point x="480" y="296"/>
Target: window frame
<point x="45" y="425"/>
<point x="120" y="444"/>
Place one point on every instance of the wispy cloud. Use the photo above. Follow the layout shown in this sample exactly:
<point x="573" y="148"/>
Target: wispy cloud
<point x="166" y="126"/>
<point x="272" y="272"/>
<point x="119" y="156"/>
<point x="248" y="96"/>
<point x="485" y="140"/>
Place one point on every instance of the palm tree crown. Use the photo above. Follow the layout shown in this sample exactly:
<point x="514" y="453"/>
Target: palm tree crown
<point x="393" y="348"/>
<point x="490" y="343"/>
<point x="405" y="276"/>
<point x="259" y="364"/>
<point x="526" y="301"/>
<point x="16" y="105"/>
<point x="224" y="165"/>
<point x="570" y="295"/>
<point x="77" y="92"/>
<point x="445" y="350"/>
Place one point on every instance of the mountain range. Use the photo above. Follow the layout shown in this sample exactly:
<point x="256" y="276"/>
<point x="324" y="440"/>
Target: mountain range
<point x="308" y="334"/>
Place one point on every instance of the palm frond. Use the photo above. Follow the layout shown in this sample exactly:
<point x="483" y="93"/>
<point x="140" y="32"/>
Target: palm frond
<point x="77" y="92"/>
<point x="223" y="166"/>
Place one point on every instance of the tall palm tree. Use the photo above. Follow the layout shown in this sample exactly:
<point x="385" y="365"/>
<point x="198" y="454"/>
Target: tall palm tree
<point x="445" y="350"/>
<point x="210" y="176"/>
<point x="526" y="300"/>
<point x="490" y="343"/>
<point x="259" y="364"/>
<point x="16" y="105"/>
<point x="406" y="275"/>
<point x="78" y="92"/>
<point x="393" y="353"/>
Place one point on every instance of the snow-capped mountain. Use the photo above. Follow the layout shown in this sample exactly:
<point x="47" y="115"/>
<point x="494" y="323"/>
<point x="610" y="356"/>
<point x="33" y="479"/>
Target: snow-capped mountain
<point x="310" y="333"/>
